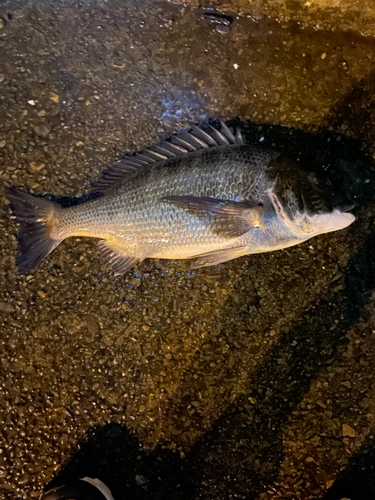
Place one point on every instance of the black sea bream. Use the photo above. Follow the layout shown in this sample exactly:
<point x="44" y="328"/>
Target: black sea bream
<point x="203" y="194"/>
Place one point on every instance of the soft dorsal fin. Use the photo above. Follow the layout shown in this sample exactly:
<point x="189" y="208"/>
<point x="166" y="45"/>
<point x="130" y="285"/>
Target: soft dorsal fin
<point x="197" y="137"/>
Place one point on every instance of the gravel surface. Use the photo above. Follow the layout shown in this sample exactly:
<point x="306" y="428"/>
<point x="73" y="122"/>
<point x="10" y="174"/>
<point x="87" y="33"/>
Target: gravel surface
<point x="253" y="379"/>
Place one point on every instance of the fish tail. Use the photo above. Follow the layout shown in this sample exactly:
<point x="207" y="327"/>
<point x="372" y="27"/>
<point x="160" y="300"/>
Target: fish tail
<point x="36" y="217"/>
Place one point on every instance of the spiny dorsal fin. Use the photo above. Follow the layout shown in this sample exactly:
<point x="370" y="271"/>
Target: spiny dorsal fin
<point x="197" y="137"/>
<point x="229" y="219"/>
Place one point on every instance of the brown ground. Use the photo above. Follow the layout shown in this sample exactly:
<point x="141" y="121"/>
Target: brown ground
<point x="252" y="380"/>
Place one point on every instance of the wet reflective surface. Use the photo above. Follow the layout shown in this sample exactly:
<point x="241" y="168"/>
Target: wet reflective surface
<point x="253" y="379"/>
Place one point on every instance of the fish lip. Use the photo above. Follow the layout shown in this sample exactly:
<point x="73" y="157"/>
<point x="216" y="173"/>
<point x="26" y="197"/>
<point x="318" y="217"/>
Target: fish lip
<point x="348" y="216"/>
<point x="347" y="207"/>
<point x="343" y="204"/>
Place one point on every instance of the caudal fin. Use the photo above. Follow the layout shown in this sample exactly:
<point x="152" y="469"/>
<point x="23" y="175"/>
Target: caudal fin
<point x="35" y="216"/>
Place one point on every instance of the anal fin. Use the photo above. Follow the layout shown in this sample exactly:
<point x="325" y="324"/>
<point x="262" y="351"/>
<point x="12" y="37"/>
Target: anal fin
<point x="219" y="256"/>
<point x="116" y="259"/>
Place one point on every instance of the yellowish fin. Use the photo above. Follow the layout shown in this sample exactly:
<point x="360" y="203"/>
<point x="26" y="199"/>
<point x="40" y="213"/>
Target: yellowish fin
<point x="36" y="216"/>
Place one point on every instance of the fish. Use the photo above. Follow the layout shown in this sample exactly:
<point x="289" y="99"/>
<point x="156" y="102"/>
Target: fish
<point x="200" y="194"/>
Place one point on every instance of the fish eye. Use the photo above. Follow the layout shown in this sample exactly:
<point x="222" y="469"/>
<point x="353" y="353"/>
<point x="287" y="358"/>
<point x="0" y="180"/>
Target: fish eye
<point x="313" y="180"/>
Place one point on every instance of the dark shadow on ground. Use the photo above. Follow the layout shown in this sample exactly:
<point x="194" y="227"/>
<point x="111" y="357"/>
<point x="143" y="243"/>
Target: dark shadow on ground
<point x="113" y="454"/>
<point x="357" y="482"/>
<point x="241" y="454"/>
<point x="355" y="114"/>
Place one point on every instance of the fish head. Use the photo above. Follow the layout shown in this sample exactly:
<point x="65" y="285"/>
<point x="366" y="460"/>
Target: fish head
<point x="305" y="209"/>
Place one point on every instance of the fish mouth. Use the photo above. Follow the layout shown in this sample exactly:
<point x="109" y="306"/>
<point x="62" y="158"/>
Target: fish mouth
<point x="347" y="216"/>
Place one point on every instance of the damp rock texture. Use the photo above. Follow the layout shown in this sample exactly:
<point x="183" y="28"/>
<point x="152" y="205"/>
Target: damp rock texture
<point x="351" y="15"/>
<point x="253" y="379"/>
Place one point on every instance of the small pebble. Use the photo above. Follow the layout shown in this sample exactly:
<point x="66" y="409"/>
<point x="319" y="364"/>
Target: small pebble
<point x="6" y="307"/>
<point x="142" y="408"/>
<point x="348" y="431"/>
<point x="41" y="130"/>
<point x="3" y="143"/>
<point x="222" y="28"/>
<point x="140" y="480"/>
<point x="2" y="24"/>
<point x="73" y="327"/>
<point x="344" y="65"/>
<point x="92" y="325"/>
<point x="54" y="97"/>
<point x="36" y="166"/>
<point x="31" y="102"/>
<point x="323" y="56"/>
<point x="145" y="328"/>
<point x="79" y="143"/>
<point x="41" y="294"/>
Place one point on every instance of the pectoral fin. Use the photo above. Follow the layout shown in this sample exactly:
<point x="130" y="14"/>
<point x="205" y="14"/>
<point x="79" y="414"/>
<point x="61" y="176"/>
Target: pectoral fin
<point x="219" y="256"/>
<point x="229" y="219"/>
<point x="119" y="261"/>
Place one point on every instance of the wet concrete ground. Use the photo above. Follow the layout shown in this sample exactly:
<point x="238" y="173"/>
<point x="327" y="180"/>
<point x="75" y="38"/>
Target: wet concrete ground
<point x="254" y="379"/>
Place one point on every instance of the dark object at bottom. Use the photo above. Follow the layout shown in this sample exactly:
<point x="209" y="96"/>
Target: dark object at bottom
<point x="81" y="489"/>
<point x="358" y="481"/>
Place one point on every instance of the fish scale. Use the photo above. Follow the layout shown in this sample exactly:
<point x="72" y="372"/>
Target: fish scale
<point x="137" y="204"/>
<point x="218" y="202"/>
